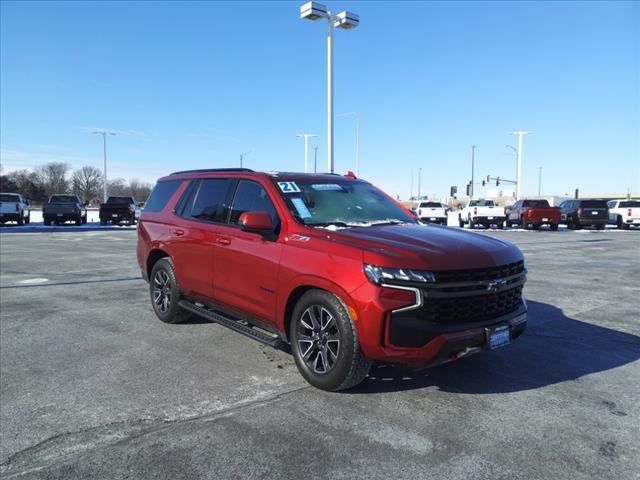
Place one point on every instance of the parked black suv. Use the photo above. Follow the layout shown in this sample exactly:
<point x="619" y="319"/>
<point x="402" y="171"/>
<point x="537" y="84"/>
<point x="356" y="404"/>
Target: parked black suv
<point x="583" y="213"/>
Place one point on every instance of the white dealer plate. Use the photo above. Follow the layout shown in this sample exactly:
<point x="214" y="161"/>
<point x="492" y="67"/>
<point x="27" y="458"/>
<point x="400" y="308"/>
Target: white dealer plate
<point x="545" y="219"/>
<point x="499" y="337"/>
<point x="490" y="218"/>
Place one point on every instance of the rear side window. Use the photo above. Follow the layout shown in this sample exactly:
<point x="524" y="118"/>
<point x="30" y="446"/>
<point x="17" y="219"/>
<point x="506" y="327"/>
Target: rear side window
<point x="630" y="204"/>
<point x="161" y="194"/>
<point x="209" y="200"/>
<point x="593" y="204"/>
<point x="251" y="197"/>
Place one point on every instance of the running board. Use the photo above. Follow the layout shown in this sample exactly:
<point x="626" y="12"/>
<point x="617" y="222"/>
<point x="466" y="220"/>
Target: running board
<point x="247" y="330"/>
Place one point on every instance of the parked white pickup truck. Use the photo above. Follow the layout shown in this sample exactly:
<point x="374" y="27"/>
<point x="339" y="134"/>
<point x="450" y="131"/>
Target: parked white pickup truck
<point x="14" y="208"/>
<point x="624" y="213"/>
<point x="482" y="212"/>
<point x="432" y="212"/>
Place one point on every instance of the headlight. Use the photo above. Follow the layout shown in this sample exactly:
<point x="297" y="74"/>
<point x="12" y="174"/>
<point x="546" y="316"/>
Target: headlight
<point x="379" y="275"/>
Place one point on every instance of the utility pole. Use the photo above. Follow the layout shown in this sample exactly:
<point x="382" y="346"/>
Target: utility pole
<point x="539" y="180"/>
<point x="104" y="134"/>
<point x="519" y="134"/>
<point x="306" y="137"/>
<point x="419" y="181"/>
<point x="315" y="159"/>
<point x="242" y="155"/>
<point x="473" y="158"/>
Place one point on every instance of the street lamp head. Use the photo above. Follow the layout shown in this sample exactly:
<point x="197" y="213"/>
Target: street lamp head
<point x="313" y="11"/>
<point x="347" y="20"/>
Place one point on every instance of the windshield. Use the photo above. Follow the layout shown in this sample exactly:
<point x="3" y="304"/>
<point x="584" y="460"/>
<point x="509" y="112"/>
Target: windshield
<point x="120" y="200"/>
<point x="630" y="204"/>
<point x="340" y="203"/>
<point x="481" y="203"/>
<point x="63" y="199"/>
<point x="7" y="197"/>
<point x="535" y="203"/>
<point x="593" y="204"/>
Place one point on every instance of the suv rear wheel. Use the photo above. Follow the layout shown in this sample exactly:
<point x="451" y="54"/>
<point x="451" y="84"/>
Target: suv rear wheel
<point x="165" y="293"/>
<point x="325" y="343"/>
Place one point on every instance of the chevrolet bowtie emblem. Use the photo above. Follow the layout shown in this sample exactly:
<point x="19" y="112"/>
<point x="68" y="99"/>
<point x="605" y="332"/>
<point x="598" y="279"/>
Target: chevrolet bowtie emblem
<point x="494" y="285"/>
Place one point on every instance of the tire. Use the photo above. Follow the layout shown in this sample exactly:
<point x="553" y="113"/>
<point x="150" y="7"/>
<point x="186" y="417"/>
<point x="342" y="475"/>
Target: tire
<point x="103" y="222"/>
<point x="47" y="222"/>
<point x="167" y="311"/>
<point x="524" y="224"/>
<point x="328" y="357"/>
<point x="460" y="222"/>
<point x="20" y="220"/>
<point x="133" y="220"/>
<point x="500" y="226"/>
<point x="554" y="227"/>
<point x="600" y="227"/>
<point x="84" y="219"/>
<point x="79" y="220"/>
<point x="27" y="220"/>
<point x="471" y="223"/>
<point x="620" y="224"/>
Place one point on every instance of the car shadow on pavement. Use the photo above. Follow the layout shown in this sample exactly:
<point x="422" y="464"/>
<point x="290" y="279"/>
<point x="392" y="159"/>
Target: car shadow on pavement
<point x="554" y="348"/>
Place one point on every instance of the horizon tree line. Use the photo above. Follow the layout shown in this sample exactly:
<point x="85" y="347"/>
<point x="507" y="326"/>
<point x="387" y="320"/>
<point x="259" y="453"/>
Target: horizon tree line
<point x="58" y="177"/>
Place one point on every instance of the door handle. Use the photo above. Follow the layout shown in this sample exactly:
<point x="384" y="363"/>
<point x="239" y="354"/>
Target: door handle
<point x="179" y="232"/>
<point x="223" y="241"/>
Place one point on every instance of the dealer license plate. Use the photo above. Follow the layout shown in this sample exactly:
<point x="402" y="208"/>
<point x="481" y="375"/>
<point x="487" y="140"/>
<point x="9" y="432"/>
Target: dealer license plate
<point x="490" y="218"/>
<point x="499" y="337"/>
<point x="432" y="219"/>
<point x="60" y="214"/>
<point x="114" y="215"/>
<point x="545" y="219"/>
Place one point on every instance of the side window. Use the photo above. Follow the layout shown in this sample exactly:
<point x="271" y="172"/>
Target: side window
<point x="251" y="197"/>
<point x="209" y="200"/>
<point x="160" y="195"/>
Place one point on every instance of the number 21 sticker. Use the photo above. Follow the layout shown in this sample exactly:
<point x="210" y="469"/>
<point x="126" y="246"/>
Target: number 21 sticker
<point x="289" y="187"/>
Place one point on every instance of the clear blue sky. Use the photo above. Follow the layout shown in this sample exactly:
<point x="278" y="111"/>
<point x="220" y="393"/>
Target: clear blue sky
<point x="195" y="84"/>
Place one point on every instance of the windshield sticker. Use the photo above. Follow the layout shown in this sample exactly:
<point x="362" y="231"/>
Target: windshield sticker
<point x="324" y="187"/>
<point x="302" y="209"/>
<point x="288" y="187"/>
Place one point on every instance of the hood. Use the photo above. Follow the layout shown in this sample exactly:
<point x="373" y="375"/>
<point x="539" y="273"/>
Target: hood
<point x="428" y="247"/>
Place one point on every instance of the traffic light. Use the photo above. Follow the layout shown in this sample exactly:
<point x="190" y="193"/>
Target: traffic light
<point x="469" y="189"/>
<point x="483" y="183"/>
<point x="497" y="181"/>
<point x="454" y="190"/>
<point x="488" y="179"/>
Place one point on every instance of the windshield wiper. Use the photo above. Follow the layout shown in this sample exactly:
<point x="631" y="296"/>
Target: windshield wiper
<point x="384" y="222"/>
<point x="328" y="224"/>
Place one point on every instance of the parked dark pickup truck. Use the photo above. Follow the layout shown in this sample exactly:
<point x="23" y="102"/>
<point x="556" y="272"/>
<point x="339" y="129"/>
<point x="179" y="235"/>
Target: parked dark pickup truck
<point x="61" y="208"/>
<point x="119" y="209"/>
<point x="533" y="214"/>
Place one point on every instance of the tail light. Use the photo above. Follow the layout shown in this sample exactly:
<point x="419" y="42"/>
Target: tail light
<point x="475" y="211"/>
<point x="17" y="207"/>
<point x="628" y="212"/>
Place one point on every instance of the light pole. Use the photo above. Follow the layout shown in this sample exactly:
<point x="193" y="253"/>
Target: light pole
<point x="242" y="155"/>
<point x="419" y="181"/>
<point x="473" y="161"/>
<point x="344" y="20"/>
<point x="519" y="134"/>
<point x="315" y="159"/>
<point x="104" y="134"/>
<point x="306" y="137"/>
<point x="357" y="117"/>
<point x="539" y="180"/>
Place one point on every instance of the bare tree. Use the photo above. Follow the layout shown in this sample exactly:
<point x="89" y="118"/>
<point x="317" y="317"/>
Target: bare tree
<point x="118" y="187"/>
<point x="86" y="182"/>
<point x="139" y="190"/>
<point x="27" y="184"/>
<point x="53" y="177"/>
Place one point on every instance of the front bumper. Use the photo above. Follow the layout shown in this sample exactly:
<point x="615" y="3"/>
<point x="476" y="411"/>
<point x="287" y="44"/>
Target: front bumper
<point x="435" y="326"/>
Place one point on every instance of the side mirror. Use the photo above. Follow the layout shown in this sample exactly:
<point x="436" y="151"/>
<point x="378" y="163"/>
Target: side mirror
<point x="86" y="204"/>
<point x="259" y="222"/>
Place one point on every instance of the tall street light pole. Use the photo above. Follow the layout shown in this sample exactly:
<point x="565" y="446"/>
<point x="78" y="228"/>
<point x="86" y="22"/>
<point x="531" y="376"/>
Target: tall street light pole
<point x="104" y="134"/>
<point x="242" y="155"/>
<point x="315" y="159"/>
<point x="357" y="117"/>
<point x="345" y="20"/>
<point x="520" y="134"/>
<point x="473" y="161"/>
<point x="419" y="181"/>
<point x="539" y="180"/>
<point x="306" y="137"/>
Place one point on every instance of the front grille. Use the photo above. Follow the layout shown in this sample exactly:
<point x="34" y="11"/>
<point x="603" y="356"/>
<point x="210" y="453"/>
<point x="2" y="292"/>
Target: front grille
<point x="480" y="274"/>
<point x="469" y="309"/>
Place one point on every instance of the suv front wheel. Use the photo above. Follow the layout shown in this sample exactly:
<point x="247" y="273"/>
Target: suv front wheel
<point x="325" y="343"/>
<point x="165" y="293"/>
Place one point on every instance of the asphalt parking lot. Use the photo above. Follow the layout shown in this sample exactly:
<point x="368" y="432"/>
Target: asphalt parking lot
<point x="94" y="386"/>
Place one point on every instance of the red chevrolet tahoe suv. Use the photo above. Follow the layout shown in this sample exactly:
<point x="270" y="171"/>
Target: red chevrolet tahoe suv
<point x="330" y="265"/>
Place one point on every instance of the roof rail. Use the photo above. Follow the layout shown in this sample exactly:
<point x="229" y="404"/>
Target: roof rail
<point x="206" y="170"/>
